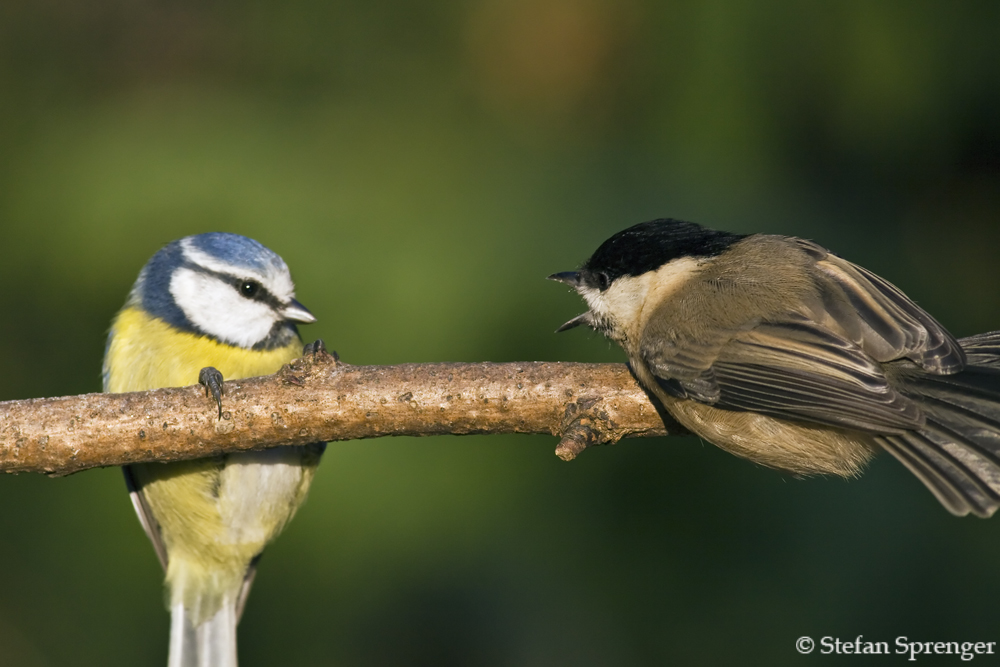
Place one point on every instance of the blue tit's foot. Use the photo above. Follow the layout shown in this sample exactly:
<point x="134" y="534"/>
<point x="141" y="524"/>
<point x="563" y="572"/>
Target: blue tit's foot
<point x="212" y="381"/>
<point x="317" y="348"/>
<point x="314" y="348"/>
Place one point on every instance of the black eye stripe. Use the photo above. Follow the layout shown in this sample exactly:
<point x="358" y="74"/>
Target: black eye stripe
<point x="261" y="293"/>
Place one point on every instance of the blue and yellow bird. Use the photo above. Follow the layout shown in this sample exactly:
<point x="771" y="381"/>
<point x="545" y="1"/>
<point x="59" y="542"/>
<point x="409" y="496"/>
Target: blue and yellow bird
<point x="226" y="302"/>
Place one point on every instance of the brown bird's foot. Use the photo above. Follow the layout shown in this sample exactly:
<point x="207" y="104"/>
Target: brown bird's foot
<point x="211" y="379"/>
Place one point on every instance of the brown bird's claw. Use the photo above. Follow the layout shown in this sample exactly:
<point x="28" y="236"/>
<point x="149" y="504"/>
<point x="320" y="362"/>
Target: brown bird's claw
<point x="211" y="379"/>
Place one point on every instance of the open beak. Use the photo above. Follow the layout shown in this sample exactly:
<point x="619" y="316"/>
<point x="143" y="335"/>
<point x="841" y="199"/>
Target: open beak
<point x="571" y="278"/>
<point x="584" y="318"/>
<point x="296" y="312"/>
<point x="575" y="280"/>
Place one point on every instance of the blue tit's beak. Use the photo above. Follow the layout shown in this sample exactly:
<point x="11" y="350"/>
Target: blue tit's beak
<point x="296" y="312"/>
<point x="584" y="318"/>
<point x="571" y="278"/>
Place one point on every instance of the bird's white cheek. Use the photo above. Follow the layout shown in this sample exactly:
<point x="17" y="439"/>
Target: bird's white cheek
<point x="593" y="299"/>
<point x="632" y="300"/>
<point x="619" y="305"/>
<point x="601" y="317"/>
<point x="216" y="308"/>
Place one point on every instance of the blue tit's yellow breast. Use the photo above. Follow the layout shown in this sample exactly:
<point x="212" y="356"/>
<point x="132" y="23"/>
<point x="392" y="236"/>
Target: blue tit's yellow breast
<point x="145" y="352"/>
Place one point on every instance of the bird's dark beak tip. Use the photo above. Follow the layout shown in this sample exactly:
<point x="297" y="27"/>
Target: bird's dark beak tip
<point x="583" y="318"/>
<point x="571" y="278"/>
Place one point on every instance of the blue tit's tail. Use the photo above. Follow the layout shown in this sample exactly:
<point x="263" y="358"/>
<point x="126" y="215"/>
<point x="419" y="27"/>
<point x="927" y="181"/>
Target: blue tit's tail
<point x="211" y="643"/>
<point x="957" y="452"/>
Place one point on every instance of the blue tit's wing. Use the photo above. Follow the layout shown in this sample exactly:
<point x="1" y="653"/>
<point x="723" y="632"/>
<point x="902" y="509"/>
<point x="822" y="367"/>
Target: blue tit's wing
<point x="145" y="515"/>
<point x="241" y="597"/>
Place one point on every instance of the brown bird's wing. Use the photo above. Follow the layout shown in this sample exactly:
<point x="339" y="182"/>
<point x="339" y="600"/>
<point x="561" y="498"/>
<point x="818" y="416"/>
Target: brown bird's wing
<point x="877" y="316"/>
<point x="859" y="354"/>
<point x="798" y="371"/>
<point x="821" y="361"/>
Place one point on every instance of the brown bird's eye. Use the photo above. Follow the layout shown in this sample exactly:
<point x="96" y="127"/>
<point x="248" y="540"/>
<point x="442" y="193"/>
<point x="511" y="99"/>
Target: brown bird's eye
<point x="249" y="288"/>
<point x="603" y="281"/>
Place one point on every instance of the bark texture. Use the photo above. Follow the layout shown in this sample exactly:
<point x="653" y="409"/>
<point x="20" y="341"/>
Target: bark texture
<point x="319" y="398"/>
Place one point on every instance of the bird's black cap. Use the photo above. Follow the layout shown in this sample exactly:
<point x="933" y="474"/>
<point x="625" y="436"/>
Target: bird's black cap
<point x="650" y="245"/>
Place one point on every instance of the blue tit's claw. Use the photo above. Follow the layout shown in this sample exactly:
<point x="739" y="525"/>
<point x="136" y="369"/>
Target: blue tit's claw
<point x="317" y="348"/>
<point x="211" y="379"/>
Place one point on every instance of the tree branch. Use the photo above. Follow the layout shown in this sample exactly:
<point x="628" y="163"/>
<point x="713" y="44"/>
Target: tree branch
<point x="319" y="398"/>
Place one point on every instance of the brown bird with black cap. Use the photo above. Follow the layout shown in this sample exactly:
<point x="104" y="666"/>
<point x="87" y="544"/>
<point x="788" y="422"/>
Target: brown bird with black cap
<point x="776" y="350"/>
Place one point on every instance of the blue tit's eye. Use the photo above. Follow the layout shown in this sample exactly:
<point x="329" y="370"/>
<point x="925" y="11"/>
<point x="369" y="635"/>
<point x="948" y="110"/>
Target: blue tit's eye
<point x="249" y="288"/>
<point x="603" y="281"/>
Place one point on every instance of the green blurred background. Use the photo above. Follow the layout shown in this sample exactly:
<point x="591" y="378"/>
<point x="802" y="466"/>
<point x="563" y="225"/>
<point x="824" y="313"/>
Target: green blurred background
<point x="422" y="166"/>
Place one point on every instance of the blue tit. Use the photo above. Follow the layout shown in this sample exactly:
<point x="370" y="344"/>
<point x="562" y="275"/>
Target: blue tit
<point x="224" y="301"/>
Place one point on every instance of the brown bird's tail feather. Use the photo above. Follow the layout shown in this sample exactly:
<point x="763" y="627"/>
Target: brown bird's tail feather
<point x="957" y="453"/>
